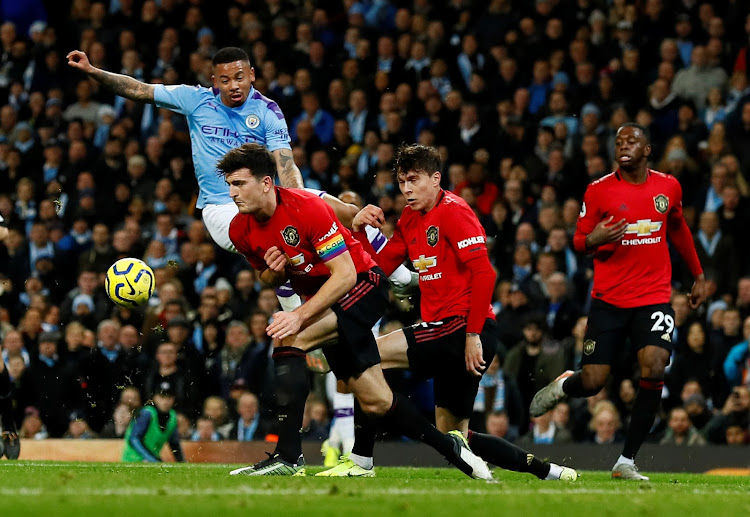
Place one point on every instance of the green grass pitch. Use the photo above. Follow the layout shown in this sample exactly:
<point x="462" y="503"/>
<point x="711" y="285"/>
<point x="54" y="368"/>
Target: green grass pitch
<point x="143" y="490"/>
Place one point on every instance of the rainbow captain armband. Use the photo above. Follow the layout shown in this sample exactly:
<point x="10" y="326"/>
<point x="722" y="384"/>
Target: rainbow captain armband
<point x="330" y="248"/>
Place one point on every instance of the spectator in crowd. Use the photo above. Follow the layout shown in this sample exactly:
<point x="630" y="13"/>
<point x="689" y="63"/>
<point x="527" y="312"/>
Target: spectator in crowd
<point x="47" y="387"/>
<point x="692" y="363"/>
<point x="32" y="427"/>
<point x="544" y="430"/>
<point x="249" y="425"/>
<point x="105" y="373"/>
<point x="736" y="410"/>
<point x="216" y="410"/>
<point x="681" y="431"/>
<point x="130" y="396"/>
<point x="315" y="422"/>
<point x="78" y="428"/>
<point x="737" y="362"/>
<point x="697" y="410"/>
<point x="497" y="425"/>
<point x="695" y="81"/>
<point x="716" y="252"/>
<point x="118" y="424"/>
<point x="498" y="393"/>
<point x="562" y="311"/>
<point x="605" y="424"/>
<point x="535" y="360"/>
<point x="167" y="369"/>
<point x="561" y="415"/>
<point x="722" y="341"/>
<point x="205" y="431"/>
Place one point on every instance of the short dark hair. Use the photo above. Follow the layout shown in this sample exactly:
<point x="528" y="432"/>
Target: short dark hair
<point x="229" y="55"/>
<point x="643" y="129"/>
<point x="254" y="157"/>
<point x="419" y="158"/>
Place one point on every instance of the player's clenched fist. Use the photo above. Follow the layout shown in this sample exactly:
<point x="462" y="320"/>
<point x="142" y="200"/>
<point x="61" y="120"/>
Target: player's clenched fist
<point x="275" y="259"/>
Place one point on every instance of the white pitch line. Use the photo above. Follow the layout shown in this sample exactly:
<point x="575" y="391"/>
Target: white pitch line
<point x="302" y="491"/>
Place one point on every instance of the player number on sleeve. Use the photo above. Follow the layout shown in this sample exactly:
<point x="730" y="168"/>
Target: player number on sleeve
<point x="583" y="210"/>
<point x="661" y="320"/>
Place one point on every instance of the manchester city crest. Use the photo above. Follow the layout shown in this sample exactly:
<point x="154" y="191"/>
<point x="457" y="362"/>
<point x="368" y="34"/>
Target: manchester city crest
<point x="432" y="235"/>
<point x="291" y="235"/>
<point x="661" y="203"/>
<point x="588" y="346"/>
<point x="252" y="121"/>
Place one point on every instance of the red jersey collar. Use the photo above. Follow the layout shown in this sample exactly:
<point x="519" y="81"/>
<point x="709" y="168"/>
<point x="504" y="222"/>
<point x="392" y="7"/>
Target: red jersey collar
<point x="619" y="176"/>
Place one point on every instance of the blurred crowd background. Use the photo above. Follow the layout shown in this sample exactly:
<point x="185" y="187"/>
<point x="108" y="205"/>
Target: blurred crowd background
<point x="522" y="98"/>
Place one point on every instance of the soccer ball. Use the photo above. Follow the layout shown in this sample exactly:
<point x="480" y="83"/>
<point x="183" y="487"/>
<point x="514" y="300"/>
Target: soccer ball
<point x="129" y="282"/>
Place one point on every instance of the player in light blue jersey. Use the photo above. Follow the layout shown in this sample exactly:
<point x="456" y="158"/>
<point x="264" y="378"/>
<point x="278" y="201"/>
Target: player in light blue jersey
<point x="219" y="119"/>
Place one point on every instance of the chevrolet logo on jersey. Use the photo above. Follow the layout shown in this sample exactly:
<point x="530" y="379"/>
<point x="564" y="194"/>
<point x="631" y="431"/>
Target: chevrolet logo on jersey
<point x="423" y="263"/>
<point x="296" y="260"/>
<point x="644" y="227"/>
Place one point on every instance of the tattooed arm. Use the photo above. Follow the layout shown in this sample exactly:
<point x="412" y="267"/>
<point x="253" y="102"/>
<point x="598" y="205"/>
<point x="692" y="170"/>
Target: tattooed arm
<point x="121" y="85"/>
<point x="288" y="172"/>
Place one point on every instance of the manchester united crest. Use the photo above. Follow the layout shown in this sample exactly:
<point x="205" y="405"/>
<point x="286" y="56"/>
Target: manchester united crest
<point x="291" y="235"/>
<point x="432" y="235"/>
<point x="661" y="203"/>
<point x="588" y="346"/>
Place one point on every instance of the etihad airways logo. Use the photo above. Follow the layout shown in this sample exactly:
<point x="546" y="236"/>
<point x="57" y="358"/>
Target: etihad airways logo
<point x="223" y="132"/>
<point x="642" y="229"/>
<point x="296" y="260"/>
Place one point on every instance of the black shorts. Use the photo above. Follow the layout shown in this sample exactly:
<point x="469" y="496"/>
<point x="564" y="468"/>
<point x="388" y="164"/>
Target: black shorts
<point x="437" y="350"/>
<point x="610" y="326"/>
<point x="357" y="312"/>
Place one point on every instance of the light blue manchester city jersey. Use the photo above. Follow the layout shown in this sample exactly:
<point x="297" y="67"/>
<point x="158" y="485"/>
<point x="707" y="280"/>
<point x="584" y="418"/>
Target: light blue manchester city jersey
<point x="216" y="129"/>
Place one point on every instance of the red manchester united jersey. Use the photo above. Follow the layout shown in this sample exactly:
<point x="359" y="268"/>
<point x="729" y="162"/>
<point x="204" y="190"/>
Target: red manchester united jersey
<point x="439" y="244"/>
<point x="303" y="227"/>
<point x="635" y="271"/>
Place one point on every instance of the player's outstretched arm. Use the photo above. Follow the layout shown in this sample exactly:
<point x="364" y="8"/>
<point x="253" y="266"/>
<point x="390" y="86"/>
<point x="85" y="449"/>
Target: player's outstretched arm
<point x="121" y="85"/>
<point x="289" y="174"/>
<point x="345" y="212"/>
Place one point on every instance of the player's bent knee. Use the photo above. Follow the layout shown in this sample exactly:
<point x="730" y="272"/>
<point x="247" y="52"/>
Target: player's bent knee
<point x="653" y="365"/>
<point x="593" y="382"/>
<point x="375" y="407"/>
<point x="655" y="371"/>
<point x="374" y="402"/>
<point x="296" y="341"/>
